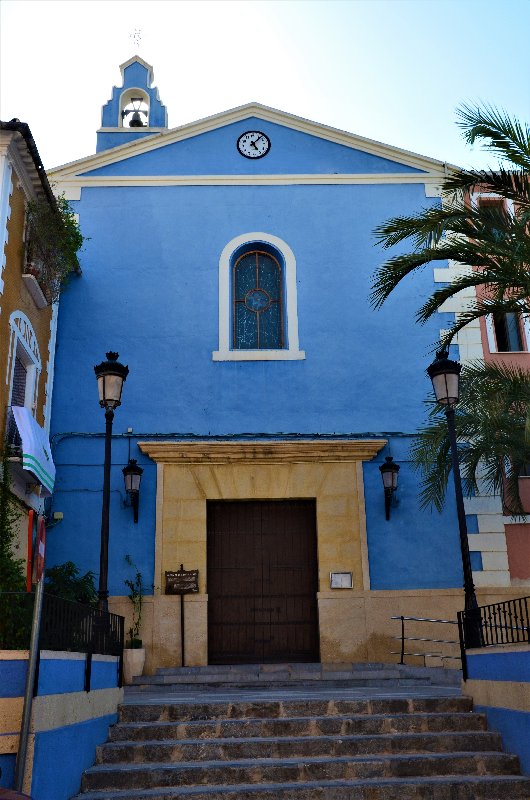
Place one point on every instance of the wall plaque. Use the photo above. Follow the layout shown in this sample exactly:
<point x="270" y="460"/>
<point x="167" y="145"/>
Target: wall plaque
<point x="183" y="581"/>
<point x="340" y="580"/>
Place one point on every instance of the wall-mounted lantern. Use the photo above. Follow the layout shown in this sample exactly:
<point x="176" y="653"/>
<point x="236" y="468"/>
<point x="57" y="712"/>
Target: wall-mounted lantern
<point x="389" y="473"/>
<point x="132" y="475"/>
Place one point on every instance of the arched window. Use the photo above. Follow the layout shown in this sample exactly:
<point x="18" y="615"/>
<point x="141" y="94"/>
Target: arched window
<point x="24" y="363"/>
<point x="23" y="372"/>
<point x="258" y="313"/>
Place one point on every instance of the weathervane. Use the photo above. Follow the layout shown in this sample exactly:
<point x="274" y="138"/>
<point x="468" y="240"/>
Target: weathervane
<point x="136" y="36"/>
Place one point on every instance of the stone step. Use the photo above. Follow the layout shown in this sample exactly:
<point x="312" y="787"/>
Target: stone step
<point x="437" y="675"/>
<point x="289" y="747"/>
<point x="183" y="711"/>
<point x="300" y="675"/>
<point x="480" y="787"/>
<point x="166" y="684"/>
<point x="231" y="678"/>
<point x="299" y="726"/>
<point x="291" y="770"/>
<point x="218" y="669"/>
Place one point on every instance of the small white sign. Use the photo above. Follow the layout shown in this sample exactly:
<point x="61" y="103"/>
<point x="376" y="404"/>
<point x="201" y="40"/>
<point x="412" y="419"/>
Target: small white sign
<point x="340" y="580"/>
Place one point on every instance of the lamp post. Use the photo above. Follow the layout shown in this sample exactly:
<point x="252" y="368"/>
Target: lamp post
<point x="111" y="376"/>
<point x="444" y="374"/>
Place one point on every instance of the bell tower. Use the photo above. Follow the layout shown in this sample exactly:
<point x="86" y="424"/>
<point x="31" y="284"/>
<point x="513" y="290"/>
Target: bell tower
<point x="134" y="109"/>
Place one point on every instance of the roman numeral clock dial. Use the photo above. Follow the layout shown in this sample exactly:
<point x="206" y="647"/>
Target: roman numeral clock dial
<point x="253" y="144"/>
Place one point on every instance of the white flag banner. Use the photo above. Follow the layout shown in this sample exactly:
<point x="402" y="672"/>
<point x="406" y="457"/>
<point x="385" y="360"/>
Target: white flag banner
<point x="36" y="451"/>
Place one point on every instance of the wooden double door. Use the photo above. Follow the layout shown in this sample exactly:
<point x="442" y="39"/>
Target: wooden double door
<point x="262" y="581"/>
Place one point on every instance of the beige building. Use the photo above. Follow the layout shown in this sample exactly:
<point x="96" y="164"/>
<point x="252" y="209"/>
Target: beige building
<point x="27" y="318"/>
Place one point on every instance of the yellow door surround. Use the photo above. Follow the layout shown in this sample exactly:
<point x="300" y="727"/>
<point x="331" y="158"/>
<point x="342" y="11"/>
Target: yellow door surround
<point x="191" y="473"/>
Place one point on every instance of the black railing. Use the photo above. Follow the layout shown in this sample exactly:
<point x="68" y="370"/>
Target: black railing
<point x="65" y="625"/>
<point x="13" y="441"/>
<point x="73" y="626"/>
<point x="494" y="625"/>
<point x="444" y="650"/>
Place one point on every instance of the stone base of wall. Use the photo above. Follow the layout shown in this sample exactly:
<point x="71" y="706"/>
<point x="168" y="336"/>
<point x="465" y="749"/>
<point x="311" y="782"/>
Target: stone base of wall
<point x="355" y="625"/>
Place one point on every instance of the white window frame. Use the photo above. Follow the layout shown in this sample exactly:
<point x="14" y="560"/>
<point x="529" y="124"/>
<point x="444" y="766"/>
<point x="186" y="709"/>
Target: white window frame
<point x="23" y="345"/>
<point x="292" y="351"/>
<point x="488" y="319"/>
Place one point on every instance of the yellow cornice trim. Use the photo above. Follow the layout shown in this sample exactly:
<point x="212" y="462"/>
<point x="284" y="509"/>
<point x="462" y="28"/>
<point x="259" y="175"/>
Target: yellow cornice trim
<point x="80" y="181"/>
<point x="207" y="124"/>
<point x="262" y="452"/>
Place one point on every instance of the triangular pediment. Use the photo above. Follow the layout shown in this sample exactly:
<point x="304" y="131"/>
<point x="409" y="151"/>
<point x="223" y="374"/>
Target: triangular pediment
<point x="197" y="148"/>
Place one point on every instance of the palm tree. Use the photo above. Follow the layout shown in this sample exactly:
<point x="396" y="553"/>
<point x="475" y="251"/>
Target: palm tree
<point x="493" y="241"/>
<point x="493" y="416"/>
<point x="493" y="430"/>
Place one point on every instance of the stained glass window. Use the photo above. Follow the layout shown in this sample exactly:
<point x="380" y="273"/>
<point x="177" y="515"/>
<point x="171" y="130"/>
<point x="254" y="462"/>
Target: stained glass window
<point x="257" y="302"/>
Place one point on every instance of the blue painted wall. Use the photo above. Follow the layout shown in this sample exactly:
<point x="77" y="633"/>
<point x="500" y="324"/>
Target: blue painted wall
<point x="13" y="677"/>
<point x="78" y="494"/>
<point x="414" y="549"/>
<point x="215" y="153"/>
<point x="150" y="291"/>
<point x="502" y="669"/>
<point x="7" y="770"/>
<point x="73" y="747"/>
<point x="506" y="666"/>
<point x="62" y="676"/>
<point x="109" y="139"/>
<point x="514" y="727"/>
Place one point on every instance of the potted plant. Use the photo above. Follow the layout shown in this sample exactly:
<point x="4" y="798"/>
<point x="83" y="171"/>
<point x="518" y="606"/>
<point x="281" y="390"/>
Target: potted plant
<point x="134" y="653"/>
<point x="53" y="241"/>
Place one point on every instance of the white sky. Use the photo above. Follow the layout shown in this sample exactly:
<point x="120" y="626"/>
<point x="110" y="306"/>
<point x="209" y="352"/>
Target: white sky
<point x="391" y="70"/>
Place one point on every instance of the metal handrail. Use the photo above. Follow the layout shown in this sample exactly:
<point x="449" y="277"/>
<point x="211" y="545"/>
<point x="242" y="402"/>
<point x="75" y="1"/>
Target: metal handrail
<point x="494" y="625"/>
<point x="427" y="619"/>
<point x="402" y="652"/>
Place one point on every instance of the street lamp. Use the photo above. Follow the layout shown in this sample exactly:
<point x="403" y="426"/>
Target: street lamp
<point x="111" y="376"/>
<point x="132" y="475"/>
<point x="389" y="473"/>
<point x="444" y="374"/>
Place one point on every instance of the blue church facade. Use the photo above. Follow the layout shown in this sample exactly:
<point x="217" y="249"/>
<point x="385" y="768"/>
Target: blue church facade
<point x="229" y="263"/>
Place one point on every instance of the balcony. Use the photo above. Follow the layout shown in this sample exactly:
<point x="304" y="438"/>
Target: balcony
<point x="13" y="440"/>
<point x="29" y="453"/>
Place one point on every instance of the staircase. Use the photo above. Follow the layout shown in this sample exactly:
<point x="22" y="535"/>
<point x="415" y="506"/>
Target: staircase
<point x="293" y="676"/>
<point x="206" y="740"/>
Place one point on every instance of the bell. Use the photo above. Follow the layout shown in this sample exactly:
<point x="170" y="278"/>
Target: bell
<point x="136" y="121"/>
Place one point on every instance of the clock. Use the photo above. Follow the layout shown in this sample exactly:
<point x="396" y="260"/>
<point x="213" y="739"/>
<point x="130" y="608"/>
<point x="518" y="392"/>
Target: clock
<point x="253" y="144"/>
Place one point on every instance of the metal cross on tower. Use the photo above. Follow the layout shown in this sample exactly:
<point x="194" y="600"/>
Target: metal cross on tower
<point x="136" y="36"/>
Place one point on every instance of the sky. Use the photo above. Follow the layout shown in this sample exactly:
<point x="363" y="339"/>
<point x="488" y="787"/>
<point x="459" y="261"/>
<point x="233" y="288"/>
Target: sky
<point x="391" y="70"/>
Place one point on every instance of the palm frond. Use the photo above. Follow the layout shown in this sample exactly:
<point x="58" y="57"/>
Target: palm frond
<point x="490" y="423"/>
<point x="425" y="228"/>
<point x="479" y="309"/>
<point x="508" y="138"/>
<point x="392" y="272"/>
<point x="509" y="184"/>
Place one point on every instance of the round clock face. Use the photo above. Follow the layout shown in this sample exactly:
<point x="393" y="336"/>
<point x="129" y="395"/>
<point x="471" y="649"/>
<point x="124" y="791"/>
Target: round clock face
<point x="253" y="144"/>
